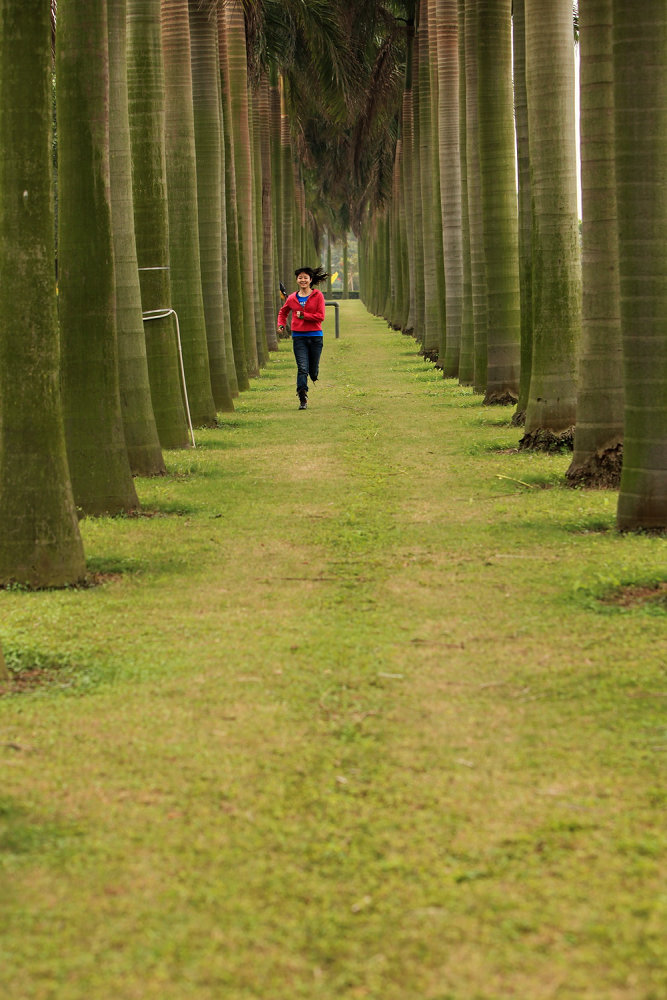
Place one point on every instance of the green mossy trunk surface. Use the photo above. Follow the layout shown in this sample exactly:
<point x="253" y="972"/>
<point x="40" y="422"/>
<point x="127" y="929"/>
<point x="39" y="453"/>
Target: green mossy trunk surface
<point x="40" y="544"/>
<point x="146" y="90"/>
<point x="141" y="436"/>
<point x="97" y="456"/>
<point x="182" y="182"/>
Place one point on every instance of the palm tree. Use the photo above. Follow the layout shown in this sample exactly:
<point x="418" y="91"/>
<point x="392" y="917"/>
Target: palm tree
<point x="141" y="437"/>
<point x="598" y="438"/>
<point x="210" y="190"/>
<point x="499" y="207"/>
<point x="146" y="101"/>
<point x="640" y="86"/>
<point x="269" y="270"/>
<point x="428" y="166"/>
<point x="450" y="178"/>
<point x="463" y="360"/>
<point x="184" y="252"/>
<point x="475" y="214"/>
<point x="525" y="208"/>
<point x="40" y="544"/>
<point x="234" y="53"/>
<point x="230" y="230"/>
<point x="97" y="456"/>
<point x="550" y="416"/>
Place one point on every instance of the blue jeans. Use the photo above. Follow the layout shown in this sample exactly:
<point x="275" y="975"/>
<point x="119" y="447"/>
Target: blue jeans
<point x="307" y="351"/>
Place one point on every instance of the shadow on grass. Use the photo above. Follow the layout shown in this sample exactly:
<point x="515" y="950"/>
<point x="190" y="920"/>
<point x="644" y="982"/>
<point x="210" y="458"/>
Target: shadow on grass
<point x="24" y="832"/>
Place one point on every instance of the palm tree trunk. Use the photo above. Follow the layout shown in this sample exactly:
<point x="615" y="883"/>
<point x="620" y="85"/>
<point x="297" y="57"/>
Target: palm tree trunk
<point x="475" y="214"/>
<point x="525" y="209"/>
<point x="598" y="438"/>
<point x="466" y="359"/>
<point x="408" y="202"/>
<point x="40" y="544"/>
<point x="146" y="97"/>
<point x="141" y="436"/>
<point x="550" y="417"/>
<point x="257" y="229"/>
<point x="269" y="271"/>
<point x="230" y="215"/>
<point x="640" y="91"/>
<point x="499" y="207"/>
<point x="450" y="178"/>
<point x="99" y="467"/>
<point x="240" y="131"/>
<point x="436" y="205"/>
<point x="184" y="256"/>
<point x="208" y="146"/>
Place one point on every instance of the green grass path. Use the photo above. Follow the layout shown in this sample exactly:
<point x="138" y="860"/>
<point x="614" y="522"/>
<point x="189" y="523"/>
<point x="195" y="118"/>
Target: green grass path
<point x="346" y="720"/>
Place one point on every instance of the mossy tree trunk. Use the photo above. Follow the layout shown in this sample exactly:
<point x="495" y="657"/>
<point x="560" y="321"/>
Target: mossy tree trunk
<point x="499" y="204"/>
<point x="270" y="271"/>
<point x="450" y="178"/>
<point x="640" y="90"/>
<point x="551" y="413"/>
<point x="146" y="101"/>
<point x="475" y="214"/>
<point x="210" y="190"/>
<point x="235" y="38"/>
<point x="141" y="437"/>
<point x="466" y="358"/>
<point x="525" y="208"/>
<point x="234" y="264"/>
<point x="184" y="254"/>
<point x="97" y="457"/>
<point x="598" y="438"/>
<point x="40" y="544"/>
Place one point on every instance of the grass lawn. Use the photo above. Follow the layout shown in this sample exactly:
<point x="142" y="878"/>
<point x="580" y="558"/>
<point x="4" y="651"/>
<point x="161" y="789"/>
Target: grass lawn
<point x="366" y="704"/>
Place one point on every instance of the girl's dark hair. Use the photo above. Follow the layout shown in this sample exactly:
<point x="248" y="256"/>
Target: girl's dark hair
<point x="317" y="274"/>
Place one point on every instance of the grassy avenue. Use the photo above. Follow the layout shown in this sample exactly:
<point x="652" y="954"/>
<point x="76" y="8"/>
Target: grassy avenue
<point x="357" y="710"/>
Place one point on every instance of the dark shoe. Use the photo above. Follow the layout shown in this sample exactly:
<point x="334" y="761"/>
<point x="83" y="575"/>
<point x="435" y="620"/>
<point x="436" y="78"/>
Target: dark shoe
<point x="303" y="400"/>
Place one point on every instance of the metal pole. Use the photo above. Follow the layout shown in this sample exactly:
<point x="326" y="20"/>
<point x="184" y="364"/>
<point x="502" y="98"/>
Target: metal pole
<point x="336" y="306"/>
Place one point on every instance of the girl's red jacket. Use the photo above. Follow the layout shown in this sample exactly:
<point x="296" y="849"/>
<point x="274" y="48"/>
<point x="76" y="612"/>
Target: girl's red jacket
<point x="312" y="313"/>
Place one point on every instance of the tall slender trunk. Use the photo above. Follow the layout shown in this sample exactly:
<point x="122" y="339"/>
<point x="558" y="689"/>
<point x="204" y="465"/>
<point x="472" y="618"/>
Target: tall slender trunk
<point x="598" y="438"/>
<point x="185" y="263"/>
<point x="208" y="146"/>
<point x="146" y="98"/>
<point x="230" y="214"/>
<point x="550" y="417"/>
<point x="141" y="436"/>
<point x="497" y="170"/>
<point x="466" y="359"/>
<point x="40" y="544"/>
<point x="525" y="209"/>
<point x="257" y="229"/>
<point x="640" y="91"/>
<point x="450" y="178"/>
<point x="240" y="131"/>
<point x="97" y="456"/>
<point x="475" y="214"/>
<point x="269" y="270"/>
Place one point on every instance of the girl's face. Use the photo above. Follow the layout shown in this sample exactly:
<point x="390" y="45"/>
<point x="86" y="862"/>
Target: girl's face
<point x="303" y="281"/>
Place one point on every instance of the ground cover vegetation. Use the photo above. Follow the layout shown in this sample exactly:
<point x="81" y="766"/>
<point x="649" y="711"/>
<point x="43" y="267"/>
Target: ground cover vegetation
<point x="349" y="713"/>
<point x="367" y="705"/>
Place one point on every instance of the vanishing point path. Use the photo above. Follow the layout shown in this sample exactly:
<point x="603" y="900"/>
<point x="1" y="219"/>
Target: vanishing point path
<point x="345" y="719"/>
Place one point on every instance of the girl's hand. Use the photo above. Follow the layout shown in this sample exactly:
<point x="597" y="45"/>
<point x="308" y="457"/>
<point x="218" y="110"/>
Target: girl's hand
<point x="281" y="329"/>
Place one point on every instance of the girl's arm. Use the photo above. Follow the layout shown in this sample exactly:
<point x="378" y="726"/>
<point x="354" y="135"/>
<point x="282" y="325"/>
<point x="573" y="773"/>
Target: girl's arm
<point x="284" y="310"/>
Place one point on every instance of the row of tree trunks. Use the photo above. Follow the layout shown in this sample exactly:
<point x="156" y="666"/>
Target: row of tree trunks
<point x="581" y="328"/>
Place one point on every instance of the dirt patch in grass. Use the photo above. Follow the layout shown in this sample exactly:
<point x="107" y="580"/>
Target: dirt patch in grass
<point x="27" y="680"/>
<point x="637" y="595"/>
